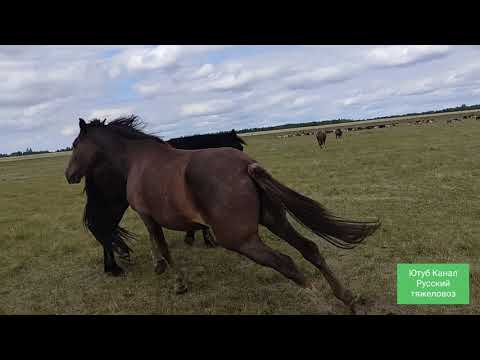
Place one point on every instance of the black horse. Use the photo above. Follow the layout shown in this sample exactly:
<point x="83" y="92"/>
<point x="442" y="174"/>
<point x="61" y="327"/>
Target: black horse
<point x="206" y="141"/>
<point x="105" y="188"/>
<point x="338" y="133"/>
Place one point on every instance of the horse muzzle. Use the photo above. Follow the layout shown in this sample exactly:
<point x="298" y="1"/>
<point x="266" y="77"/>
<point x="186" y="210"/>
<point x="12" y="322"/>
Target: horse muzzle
<point x="73" y="178"/>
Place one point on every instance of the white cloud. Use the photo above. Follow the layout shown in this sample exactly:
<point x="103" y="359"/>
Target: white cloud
<point x="205" y="70"/>
<point x="418" y="87"/>
<point x="70" y="130"/>
<point x="149" y="88"/>
<point x="144" y="58"/>
<point x="271" y="100"/>
<point x="399" y="55"/>
<point x="367" y="97"/>
<point x="304" y="101"/>
<point x="111" y="113"/>
<point x="212" y="107"/>
<point x="236" y="77"/>
<point x="318" y="77"/>
<point x="157" y="57"/>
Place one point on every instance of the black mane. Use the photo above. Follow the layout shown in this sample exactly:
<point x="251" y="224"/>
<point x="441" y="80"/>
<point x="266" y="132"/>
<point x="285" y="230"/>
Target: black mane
<point x="132" y="128"/>
<point x="129" y="127"/>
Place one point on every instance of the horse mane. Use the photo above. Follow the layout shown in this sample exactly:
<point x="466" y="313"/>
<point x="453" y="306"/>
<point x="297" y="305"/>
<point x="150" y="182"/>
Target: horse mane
<point x="130" y="127"/>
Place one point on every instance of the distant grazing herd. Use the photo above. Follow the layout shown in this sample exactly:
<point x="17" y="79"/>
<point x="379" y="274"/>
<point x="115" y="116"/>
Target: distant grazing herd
<point x="321" y="134"/>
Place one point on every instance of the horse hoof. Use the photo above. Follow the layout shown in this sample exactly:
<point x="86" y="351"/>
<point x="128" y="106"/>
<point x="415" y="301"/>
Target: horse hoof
<point x="160" y="266"/>
<point x="189" y="240"/>
<point x="210" y="244"/>
<point x="180" y="289"/>
<point x="116" y="271"/>
<point x="355" y="303"/>
<point x="310" y="286"/>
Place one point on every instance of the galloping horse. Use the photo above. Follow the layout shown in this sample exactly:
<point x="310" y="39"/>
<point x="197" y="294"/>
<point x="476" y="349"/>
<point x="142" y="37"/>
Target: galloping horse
<point x="321" y="136"/>
<point x="106" y="204"/>
<point x="221" y="188"/>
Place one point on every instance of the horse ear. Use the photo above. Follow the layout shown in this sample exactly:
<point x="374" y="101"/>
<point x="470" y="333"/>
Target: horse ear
<point x="82" y="124"/>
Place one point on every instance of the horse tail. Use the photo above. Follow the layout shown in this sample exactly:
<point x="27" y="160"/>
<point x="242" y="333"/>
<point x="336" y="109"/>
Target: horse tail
<point x="120" y="237"/>
<point x="341" y="233"/>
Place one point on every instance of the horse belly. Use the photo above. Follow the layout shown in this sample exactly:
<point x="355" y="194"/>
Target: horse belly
<point x="179" y="222"/>
<point x="174" y="211"/>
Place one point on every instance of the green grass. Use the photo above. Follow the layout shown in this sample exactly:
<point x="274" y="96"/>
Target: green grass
<point x="421" y="181"/>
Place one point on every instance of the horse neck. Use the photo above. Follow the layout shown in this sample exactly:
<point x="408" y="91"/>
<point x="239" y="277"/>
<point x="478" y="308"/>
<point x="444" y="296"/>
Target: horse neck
<point x="136" y="150"/>
<point x="124" y="153"/>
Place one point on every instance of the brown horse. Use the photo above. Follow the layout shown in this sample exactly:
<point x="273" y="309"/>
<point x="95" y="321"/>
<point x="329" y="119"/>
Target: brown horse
<point x="321" y="136"/>
<point x="221" y="188"/>
<point x="107" y="200"/>
<point x="338" y="133"/>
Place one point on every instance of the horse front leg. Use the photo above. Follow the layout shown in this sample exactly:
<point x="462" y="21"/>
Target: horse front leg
<point x="109" y="264"/>
<point x="207" y="238"/>
<point x="162" y="253"/>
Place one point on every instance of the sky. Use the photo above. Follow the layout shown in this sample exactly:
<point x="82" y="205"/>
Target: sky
<point x="191" y="89"/>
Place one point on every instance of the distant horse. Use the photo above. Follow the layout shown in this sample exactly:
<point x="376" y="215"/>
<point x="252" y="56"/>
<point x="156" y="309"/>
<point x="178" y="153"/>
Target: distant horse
<point x="321" y="136"/>
<point x="221" y="188"/>
<point x="338" y="133"/>
<point x="106" y="204"/>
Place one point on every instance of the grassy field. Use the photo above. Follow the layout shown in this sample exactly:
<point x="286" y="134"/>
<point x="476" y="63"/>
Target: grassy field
<point x="421" y="181"/>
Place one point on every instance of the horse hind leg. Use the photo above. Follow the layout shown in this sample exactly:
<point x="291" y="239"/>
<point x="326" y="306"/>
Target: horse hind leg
<point x="275" y="219"/>
<point x="262" y="254"/>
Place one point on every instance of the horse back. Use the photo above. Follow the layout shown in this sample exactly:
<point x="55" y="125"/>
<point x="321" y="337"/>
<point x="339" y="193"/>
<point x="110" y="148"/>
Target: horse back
<point x="218" y="181"/>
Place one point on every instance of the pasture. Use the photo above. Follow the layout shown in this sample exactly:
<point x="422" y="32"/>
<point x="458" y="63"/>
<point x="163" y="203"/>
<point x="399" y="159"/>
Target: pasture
<point x="421" y="181"/>
<point x="451" y="115"/>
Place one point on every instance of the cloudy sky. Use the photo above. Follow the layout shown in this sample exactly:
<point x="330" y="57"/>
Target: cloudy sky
<point x="183" y="90"/>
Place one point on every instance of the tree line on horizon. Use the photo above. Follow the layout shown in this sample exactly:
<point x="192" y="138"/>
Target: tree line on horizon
<point x="29" y="151"/>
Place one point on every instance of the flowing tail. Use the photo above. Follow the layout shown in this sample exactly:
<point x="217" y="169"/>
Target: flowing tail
<point x="120" y="237"/>
<point x="342" y="233"/>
